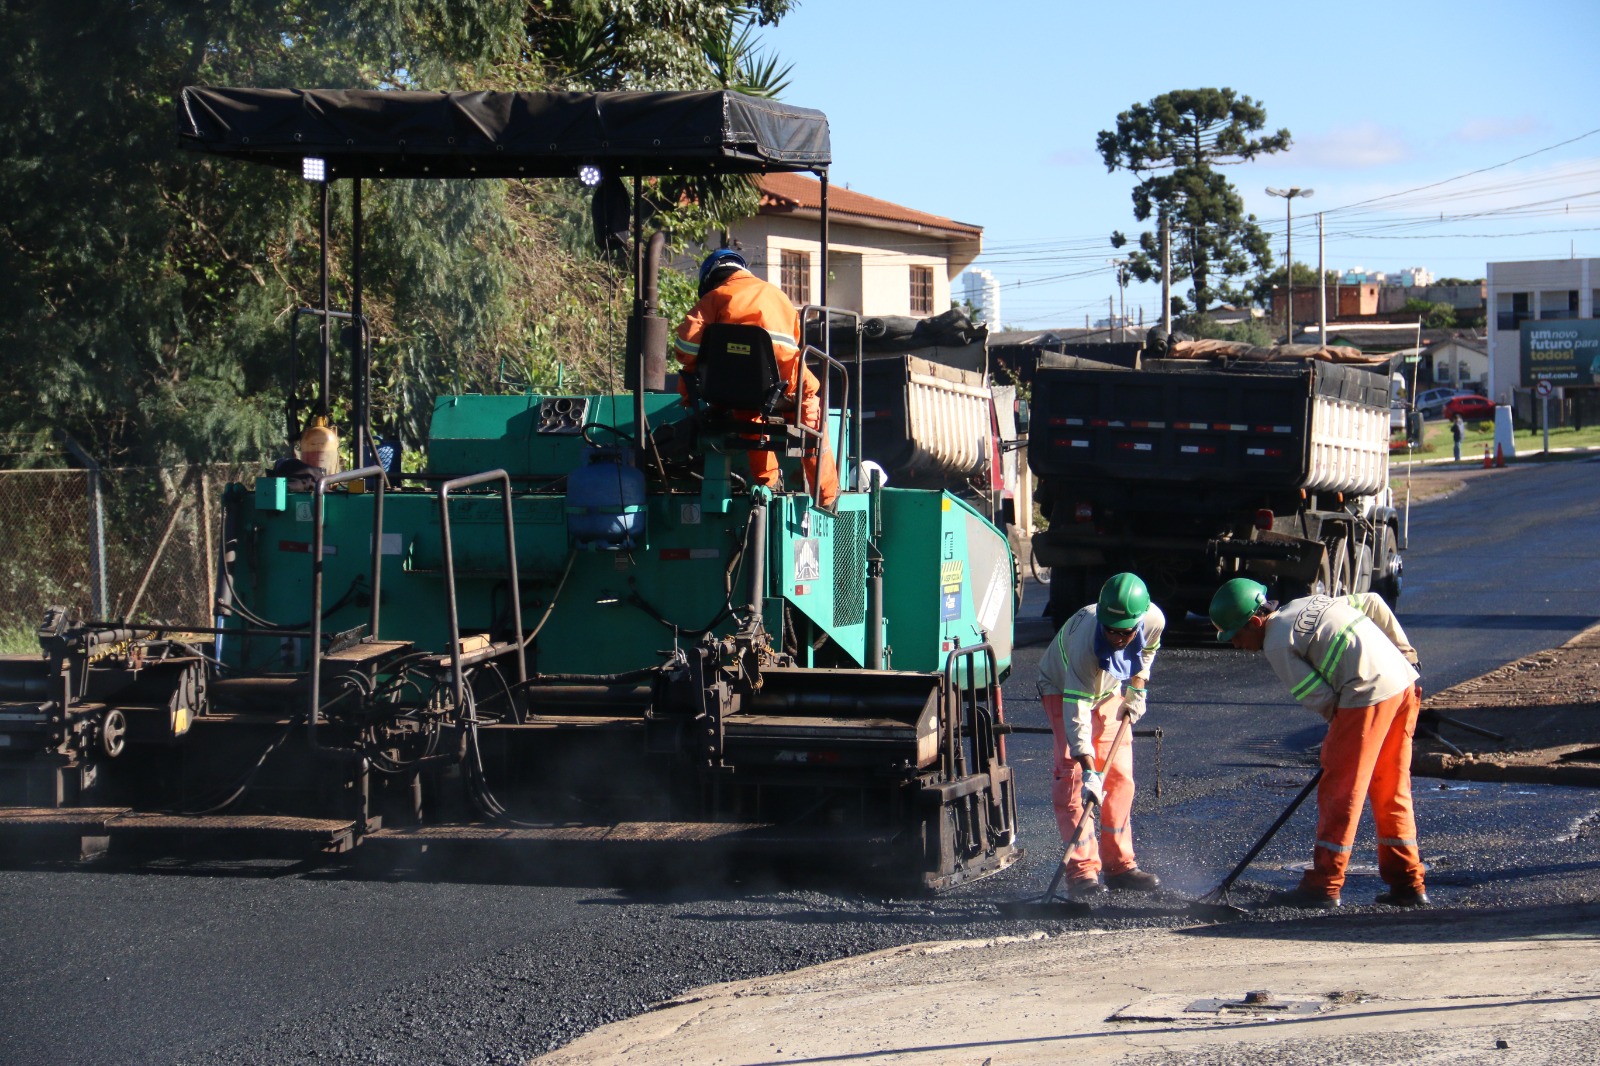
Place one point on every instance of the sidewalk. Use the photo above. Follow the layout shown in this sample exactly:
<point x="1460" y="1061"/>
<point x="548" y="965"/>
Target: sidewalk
<point x="1371" y="988"/>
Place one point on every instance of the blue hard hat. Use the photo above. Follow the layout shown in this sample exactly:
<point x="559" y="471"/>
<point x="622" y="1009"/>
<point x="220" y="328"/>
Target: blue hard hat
<point x="720" y="259"/>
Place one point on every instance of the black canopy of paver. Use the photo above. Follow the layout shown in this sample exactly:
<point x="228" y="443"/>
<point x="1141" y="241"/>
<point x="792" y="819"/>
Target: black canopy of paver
<point x="370" y="134"/>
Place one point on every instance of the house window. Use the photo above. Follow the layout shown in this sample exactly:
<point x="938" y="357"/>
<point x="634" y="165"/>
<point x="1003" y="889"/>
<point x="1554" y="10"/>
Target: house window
<point x="795" y="276"/>
<point x="1594" y="304"/>
<point x="922" y="290"/>
<point x="1558" y="304"/>
<point x="1511" y="310"/>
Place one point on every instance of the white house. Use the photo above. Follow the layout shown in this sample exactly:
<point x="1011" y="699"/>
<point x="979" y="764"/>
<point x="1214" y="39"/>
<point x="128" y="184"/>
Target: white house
<point x="883" y="259"/>
<point x="1459" y="362"/>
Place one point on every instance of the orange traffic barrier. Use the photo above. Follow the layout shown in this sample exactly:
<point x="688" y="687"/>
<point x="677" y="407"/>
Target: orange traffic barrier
<point x="1488" y="461"/>
<point x="1499" y="456"/>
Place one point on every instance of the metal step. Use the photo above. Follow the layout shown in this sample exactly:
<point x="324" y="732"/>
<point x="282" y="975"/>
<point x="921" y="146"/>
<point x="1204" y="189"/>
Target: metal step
<point x="753" y="837"/>
<point x="94" y="829"/>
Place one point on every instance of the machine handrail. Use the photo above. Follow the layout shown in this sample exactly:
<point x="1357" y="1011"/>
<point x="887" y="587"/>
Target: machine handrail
<point x="458" y="685"/>
<point x="808" y="314"/>
<point x="965" y="693"/>
<point x="318" y="536"/>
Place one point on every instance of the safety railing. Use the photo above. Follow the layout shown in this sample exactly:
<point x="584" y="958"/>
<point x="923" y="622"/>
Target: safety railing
<point x="823" y="317"/>
<point x="457" y="675"/>
<point x="974" y="701"/>
<point x="318" y="538"/>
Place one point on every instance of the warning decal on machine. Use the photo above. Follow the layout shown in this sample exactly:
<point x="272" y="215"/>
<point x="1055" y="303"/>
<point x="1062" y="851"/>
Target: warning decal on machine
<point x="950" y="574"/>
<point x="807" y="561"/>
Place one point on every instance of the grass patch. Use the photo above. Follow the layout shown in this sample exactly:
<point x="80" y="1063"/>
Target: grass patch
<point x="1436" y="440"/>
<point x="18" y="640"/>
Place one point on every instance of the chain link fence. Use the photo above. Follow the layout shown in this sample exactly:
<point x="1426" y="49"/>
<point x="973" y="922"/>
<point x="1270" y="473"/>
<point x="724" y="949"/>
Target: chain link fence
<point x="133" y="542"/>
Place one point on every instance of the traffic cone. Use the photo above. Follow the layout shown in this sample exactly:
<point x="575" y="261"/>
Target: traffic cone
<point x="1487" y="460"/>
<point x="1499" y="455"/>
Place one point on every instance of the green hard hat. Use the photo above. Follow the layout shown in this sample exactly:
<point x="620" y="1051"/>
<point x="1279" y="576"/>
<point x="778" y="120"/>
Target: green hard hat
<point x="1233" y="605"/>
<point x="1123" y="602"/>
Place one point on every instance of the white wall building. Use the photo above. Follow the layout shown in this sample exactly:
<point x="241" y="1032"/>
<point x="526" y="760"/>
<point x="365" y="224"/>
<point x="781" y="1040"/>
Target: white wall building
<point x="883" y="258"/>
<point x="981" y="289"/>
<point x="1532" y="291"/>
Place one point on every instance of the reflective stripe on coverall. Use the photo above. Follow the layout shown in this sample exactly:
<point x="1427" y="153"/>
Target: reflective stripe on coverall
<point x="746" y="300"/>
<point x="1347" y="659"/>
<point x="1115" y="846"/>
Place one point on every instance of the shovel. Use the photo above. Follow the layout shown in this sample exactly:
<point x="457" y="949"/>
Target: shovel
<point x="1214" y="904"/>
<point x="1047" y="905"/>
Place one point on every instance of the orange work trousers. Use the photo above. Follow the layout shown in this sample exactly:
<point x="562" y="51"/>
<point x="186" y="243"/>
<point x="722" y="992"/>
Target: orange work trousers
<point x="820" y="469"/>
<point x="1367" y="755"/>
<point x="1115" y="846"/>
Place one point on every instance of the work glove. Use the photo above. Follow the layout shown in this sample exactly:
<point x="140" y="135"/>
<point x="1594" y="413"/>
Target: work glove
<point x="1094" y="787"/>
<point x="1132" y="704"/>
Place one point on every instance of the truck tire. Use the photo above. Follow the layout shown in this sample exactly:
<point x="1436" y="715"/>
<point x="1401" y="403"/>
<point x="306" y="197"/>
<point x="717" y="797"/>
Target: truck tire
<point x="1339" y="567"/>
<point x="1361" y="568"/>
<point x="1388" y="568"/>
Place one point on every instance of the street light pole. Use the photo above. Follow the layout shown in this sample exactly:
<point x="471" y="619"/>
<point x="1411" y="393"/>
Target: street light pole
<point x="1288" y="268"/>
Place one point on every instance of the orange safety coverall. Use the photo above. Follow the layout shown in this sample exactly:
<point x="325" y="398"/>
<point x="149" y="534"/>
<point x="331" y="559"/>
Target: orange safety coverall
<point x="744" y="299"/>
<point x="1348" y="659"/>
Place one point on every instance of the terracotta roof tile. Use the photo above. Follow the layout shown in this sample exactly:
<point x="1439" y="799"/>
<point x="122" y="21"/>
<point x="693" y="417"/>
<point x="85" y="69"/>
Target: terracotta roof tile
<point x="790" y="192"/>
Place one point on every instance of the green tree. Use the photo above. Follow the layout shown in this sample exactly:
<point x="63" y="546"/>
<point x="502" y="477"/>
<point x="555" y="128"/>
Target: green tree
<point x="1252" y="331"/>
<point x="1434" y="315"/>
<point x="1172" y="145"/>
<point x="146" y="293"/>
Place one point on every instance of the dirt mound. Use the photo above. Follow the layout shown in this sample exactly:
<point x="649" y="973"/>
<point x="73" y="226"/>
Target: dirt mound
<point x="1543" y="712"/>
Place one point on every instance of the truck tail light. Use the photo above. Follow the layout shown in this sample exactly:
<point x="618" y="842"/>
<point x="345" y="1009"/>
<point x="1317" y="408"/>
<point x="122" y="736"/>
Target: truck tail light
<point x="1264" y="520"/>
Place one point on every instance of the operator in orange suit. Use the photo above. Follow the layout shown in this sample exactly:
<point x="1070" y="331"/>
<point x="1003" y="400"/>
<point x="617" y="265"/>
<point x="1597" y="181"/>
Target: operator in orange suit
<point x="730" y="293"/>
<point x="1347" y="659"/>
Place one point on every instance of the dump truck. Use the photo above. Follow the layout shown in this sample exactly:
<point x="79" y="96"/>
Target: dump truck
<point x="1211" y="461"/>
<point x="581" y="631"/>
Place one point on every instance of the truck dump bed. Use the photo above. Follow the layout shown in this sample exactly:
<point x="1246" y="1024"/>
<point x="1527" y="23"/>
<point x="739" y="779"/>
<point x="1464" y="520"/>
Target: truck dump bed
<point x="1309" y="424"/>
<point x="926" y="422"/>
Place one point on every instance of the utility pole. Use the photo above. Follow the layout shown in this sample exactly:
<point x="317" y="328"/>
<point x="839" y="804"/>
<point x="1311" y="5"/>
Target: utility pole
<point x="1166" y="275"/>
<point x="1322" y="287"/>
<point x="1288" y="269"/>
<point x="1122" y="290"/>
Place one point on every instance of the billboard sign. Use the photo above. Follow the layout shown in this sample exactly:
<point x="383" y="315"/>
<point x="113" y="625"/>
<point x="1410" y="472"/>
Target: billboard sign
<point x="1564" y="351"/>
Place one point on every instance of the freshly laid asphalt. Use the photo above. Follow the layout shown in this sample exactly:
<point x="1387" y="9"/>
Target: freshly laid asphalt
<point x="263" y="962"/>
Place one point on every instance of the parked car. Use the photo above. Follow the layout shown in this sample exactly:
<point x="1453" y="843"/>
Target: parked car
<point x="1471" y="407"/>
<point x="1431" y="401"/>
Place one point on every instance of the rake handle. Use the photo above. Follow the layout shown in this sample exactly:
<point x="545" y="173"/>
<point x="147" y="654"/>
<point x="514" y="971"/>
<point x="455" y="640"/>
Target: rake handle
<point x="1244" y="863"/>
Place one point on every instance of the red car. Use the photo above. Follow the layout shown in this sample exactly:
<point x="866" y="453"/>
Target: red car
<point x="1472" y="408"/>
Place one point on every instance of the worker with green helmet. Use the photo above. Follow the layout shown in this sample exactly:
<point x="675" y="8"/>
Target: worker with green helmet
<point x="1348" y="659"/>
<point x="1094" y="674"/>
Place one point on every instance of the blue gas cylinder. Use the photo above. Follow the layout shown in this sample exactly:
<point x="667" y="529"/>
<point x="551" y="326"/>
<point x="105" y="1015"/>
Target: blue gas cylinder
<point x="605" y="504"/>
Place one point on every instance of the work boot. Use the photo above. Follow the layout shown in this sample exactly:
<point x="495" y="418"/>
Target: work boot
<point x="1134" y="880"/>
<point x="1403" y="897"/>
<point x="1085" y="888"/>
<point x="1304" y="899"/>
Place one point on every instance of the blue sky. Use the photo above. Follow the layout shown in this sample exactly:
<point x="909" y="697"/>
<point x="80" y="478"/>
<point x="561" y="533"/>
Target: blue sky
<point x="987" y="113"/>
